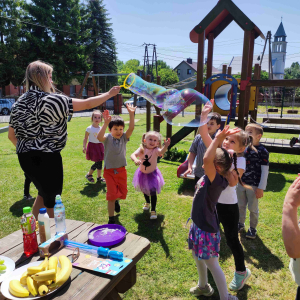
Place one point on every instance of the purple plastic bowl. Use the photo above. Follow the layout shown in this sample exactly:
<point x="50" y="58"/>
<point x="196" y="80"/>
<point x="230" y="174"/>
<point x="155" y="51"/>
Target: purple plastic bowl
<point x="107" y="235"/>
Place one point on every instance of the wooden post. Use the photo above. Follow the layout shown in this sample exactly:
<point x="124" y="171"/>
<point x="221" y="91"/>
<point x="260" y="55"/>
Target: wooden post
<point x="210" y="53"/>
<point x="246" y="48"/>
<point x="249" y="73"/>
<point x="79" y="95"/>
<point x="169" y="130"/>
<point x="95" y="85"/>
<point x="148" y="109"/>
<point x="229" y="70"/>
<point x="199" y="87"/>
<point x="157" y="108"/>
<point x="253" y="113"/>
<point x="224" y="69"/>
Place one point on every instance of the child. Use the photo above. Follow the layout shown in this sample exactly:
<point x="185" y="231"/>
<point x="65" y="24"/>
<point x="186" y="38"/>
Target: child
<point x="204" y="234"/>
<point x="95" y="149"/>
<point x="27" y="182"/>
<point x="148" y="178"/>
<point x="198" y="148"/>
<point x="256" y="175"/>
<point x="115" y="158"/>
<point x="227" y="207"/>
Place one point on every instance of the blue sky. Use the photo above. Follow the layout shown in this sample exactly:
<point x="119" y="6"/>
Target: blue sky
<point x="167" y="23"/>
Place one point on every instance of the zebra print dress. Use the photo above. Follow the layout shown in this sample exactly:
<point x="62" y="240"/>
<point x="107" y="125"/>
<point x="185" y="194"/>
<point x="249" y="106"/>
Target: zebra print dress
<point x="39" y="120"/>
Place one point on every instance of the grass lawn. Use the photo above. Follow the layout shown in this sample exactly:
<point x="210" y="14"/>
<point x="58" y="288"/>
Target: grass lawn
<point x="167" y="271"/>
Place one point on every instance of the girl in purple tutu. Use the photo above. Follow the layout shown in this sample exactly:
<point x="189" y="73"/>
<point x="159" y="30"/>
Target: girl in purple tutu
<point x="95" y="149"/>
<point x="148" y="178"/>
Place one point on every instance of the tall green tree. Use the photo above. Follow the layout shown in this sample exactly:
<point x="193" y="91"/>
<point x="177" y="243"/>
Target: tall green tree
<point x="55" y="37"/>
<point x="293" y="72"/>
<point x="100" y="42"/>
<point x="10" y="69"/>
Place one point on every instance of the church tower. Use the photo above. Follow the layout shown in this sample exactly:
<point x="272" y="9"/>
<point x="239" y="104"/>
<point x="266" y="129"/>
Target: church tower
<point x="279" y="52"/>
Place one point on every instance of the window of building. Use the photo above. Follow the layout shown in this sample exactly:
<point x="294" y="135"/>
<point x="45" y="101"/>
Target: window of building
<point x="189" y="71"/>
<point x="178" y="71"/>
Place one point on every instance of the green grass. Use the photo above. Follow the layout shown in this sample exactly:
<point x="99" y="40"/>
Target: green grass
<point x="167" y="271"/>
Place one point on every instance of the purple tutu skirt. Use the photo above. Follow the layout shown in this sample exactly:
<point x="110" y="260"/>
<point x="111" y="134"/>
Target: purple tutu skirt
<point x="149" y="184"/>
<point x="94" y="152"/>
<point x="204" y="244"/>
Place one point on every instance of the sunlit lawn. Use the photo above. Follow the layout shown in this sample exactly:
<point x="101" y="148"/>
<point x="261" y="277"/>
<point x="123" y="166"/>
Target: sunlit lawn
<point x="167" y="271"/>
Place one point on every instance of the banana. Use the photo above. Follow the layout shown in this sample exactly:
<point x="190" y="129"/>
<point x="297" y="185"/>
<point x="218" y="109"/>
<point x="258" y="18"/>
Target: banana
<point x="43" y="290"/>
<point x="47" y="282"/>
<point x="44" y="275"/>
<point x="17" y="290"/>
<point x="23" y="278"/>
<point x="58" y="270"/>
<point x="32" y="286"/>
<point x="64" y="273"/>
<point x="44" y="264"/>
<point x="53" y="260"/>
<point x="34" y="270"/>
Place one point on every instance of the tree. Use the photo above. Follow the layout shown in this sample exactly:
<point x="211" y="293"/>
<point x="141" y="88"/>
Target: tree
<point x="55" y="37"/>
<point x="131" y="66"/>
<point x="100" y="43"/>
<point x="167" y="76"/>
<point x="293" y="72"/>
<point x="10" y="68"/>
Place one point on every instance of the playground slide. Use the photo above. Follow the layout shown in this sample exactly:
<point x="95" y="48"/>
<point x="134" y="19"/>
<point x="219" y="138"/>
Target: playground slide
<point x="183" y="167"/>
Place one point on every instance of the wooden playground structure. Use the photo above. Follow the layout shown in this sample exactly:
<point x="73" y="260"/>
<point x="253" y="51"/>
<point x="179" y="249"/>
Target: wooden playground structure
<point x="209" y="28"/>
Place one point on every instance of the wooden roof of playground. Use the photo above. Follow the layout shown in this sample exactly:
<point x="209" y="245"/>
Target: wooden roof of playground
<point x="220" y="17"/>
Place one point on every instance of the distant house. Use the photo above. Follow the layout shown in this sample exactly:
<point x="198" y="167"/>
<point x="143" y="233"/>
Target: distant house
<point x="188" y="68"/>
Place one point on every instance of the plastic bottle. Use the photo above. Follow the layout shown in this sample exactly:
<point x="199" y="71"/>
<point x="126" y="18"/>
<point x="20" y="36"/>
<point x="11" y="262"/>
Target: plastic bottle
<point x="44" y="225"/>
<point x="28" y="225"/>
<point x="59" y="215"/>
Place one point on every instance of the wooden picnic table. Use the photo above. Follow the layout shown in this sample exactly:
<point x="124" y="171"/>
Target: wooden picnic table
<point x="83" y="284"/>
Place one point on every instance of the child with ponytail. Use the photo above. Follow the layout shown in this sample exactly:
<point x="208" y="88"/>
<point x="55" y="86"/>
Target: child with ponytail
<point x="227" y="207"/>
<point x="204" y="235"/>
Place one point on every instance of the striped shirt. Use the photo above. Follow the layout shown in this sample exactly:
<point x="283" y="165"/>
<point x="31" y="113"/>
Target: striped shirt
<point x="199" y="149"/>
<point x="39" y="120"/>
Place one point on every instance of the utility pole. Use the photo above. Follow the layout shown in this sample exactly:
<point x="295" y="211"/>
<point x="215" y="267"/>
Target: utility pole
<point x="149" y="68"/>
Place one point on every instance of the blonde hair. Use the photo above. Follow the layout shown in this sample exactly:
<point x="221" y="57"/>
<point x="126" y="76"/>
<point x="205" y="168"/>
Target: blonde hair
<point x="145" y="135"/>
<point x="37" y="74"/>
<point x="244" y="140"/>
<point x="258" y="129"/>
<point x="96" y="111"/>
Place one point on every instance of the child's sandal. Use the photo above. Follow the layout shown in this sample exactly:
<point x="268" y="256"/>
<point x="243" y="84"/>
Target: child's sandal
<point x="100" y="179"/>
<point x="89" y="178"/>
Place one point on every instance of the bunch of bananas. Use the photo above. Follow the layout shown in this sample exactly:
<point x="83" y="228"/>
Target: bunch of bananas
<point x="42" y="278"/>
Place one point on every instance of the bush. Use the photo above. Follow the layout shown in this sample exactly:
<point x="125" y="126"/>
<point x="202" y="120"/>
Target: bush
<point x="176" y="155"/>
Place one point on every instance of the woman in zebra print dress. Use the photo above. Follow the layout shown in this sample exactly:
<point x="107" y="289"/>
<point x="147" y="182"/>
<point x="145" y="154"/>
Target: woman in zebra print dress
<point x="38" y="129"/>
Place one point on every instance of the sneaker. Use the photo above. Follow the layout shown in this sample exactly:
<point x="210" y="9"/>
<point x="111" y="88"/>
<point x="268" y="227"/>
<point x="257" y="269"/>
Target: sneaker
<point x="153" y="215"/>
<point x="239" y="281"/>
<point x="207" y="291"/>
<point x="27" y="197"/>
<point x="117" y="206"/>
<point x="293" y="141"/>
<point x="241" y="227"/>
<point x="111" y="220"/>
<point x="231" y="297"/>
<point x="146" y="206"/>
<point x="251" y="233"/>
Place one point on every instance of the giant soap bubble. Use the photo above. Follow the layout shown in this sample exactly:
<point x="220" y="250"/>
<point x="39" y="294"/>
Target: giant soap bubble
<point x="178" y="107"/>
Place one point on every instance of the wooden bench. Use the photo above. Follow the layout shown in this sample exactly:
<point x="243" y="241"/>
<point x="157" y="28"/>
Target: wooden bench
<point x="282" y="121"/>
<point x="280" y="146"/>
<point x="84" y="285"/>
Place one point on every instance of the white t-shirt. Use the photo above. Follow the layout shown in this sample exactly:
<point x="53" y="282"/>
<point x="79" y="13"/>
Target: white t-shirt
<point x="93" y="132"/>
<point x="228" y="196"/>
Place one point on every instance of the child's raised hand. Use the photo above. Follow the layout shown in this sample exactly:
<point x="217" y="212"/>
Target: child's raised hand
<point x="221" y="135"/>
<point x="131" y="109"/>
<point x="293" y="194"/>
<point x="167" y="142"/>
<point x="106" y="116"/>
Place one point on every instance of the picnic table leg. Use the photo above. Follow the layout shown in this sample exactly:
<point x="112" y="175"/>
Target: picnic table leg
<point x="113" y="295"/>
<point x="127" y="282"/>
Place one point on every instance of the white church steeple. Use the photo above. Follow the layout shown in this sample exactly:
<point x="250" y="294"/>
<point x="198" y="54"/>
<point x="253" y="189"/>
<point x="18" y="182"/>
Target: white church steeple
<point x="279" y="52"/>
